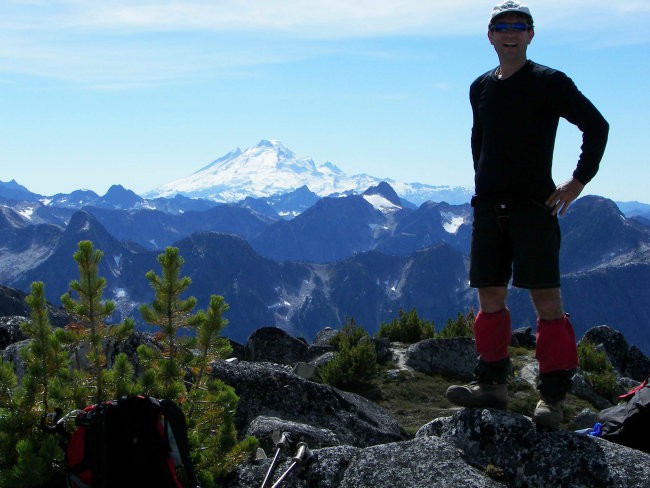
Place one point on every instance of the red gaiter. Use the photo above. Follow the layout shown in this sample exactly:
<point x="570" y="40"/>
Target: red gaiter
<point x="556" y="345"/>
<point x="492" y="332"/>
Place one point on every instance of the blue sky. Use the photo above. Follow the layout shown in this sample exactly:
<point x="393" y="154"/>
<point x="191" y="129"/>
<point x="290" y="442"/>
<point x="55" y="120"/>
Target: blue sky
<point x="142" y="92"/>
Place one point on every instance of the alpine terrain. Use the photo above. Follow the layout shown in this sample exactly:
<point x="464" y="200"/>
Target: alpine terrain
<point x="304" y="246"/>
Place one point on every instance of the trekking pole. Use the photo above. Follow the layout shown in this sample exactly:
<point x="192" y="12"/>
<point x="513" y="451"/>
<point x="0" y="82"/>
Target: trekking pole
<point x="282" y="443"/>
<point x="54" y="422"/>
<point x="68" y="415"/>
<point x="302" y="456"/>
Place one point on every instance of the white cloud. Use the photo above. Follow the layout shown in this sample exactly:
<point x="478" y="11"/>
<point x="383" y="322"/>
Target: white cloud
<point x="307" y="17"/>
<point x="128" y="42"/>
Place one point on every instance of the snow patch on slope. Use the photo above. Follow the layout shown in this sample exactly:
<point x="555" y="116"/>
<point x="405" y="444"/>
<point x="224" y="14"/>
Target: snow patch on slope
<point x="381" y="203"/>
<point x="451" y="222"/>
<point x="26" y="212"/>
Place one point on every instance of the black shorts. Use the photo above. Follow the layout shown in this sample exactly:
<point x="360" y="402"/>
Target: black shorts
<point x="519" y="240"/>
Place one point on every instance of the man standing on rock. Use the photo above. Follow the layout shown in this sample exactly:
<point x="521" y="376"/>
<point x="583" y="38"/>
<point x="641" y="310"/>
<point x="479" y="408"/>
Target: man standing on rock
<point x="516" y="109"/>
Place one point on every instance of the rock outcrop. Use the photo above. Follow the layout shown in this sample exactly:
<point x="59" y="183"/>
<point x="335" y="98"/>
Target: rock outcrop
<point x="447" y="356"/>
<point x="532" y="457"/>
<point x="638" y="364"/>
<point x="271" y="390"/>
<point x="473" y="448"/>
<point x="262" y="428"/>
<point x="627" y="360"/>
<point x="10" y="330"/>
<point x="417" y="463"/>
<point x="275" y="345"/>
<point x="523" y="337"/>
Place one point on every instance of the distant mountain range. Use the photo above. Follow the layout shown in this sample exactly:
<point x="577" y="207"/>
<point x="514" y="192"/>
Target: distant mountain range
<point x="637" y="210"/>
<point x="268" y="178"/>
<point x="300" y="260"/>
<point x="362" y="256"/>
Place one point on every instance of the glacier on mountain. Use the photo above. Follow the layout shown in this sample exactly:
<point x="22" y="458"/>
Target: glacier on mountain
<point x="451" y="222"/>
<point x="381" y="203"/>
<point x="270" y="168"/>
<point x="27" y="212"/>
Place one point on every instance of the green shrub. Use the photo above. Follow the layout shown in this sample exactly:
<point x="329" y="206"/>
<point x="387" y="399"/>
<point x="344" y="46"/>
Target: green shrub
<point x="407" y="327"/>
<point x="349" y="335"/>
<point x="597" y="369"/>
<point x="355" y="359"/>
<point x="462" y="326"/>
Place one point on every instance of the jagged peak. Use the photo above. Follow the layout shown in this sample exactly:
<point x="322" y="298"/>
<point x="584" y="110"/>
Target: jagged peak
<point x="13" y="184"/>
<point x="385" y="190"/>
<point x="81" y="220"/>
<point x="119" y="190"/>
<point x="303" y="190"/>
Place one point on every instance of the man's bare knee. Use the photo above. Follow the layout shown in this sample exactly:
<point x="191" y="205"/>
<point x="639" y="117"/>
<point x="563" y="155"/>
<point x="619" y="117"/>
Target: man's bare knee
<point x="548" y="303"/>
<point x="492" y="298"/>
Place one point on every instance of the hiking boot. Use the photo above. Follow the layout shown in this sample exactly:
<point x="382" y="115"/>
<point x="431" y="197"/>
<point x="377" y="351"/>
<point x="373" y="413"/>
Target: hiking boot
<point x="548" y="414"/>
<point x="479" y="395"/>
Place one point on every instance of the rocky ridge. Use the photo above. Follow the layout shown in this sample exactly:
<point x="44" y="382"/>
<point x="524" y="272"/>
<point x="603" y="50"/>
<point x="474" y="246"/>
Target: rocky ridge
<point x="472" y="447"/>
<point x="355" y="442"/>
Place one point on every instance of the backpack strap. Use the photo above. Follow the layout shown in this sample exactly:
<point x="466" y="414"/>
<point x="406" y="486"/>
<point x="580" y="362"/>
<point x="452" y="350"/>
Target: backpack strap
<point x="626" y="396"/>
<point x="175" y="419"/>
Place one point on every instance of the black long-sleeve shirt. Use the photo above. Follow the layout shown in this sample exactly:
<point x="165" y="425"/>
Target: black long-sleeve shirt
<point x="514" y="129"/>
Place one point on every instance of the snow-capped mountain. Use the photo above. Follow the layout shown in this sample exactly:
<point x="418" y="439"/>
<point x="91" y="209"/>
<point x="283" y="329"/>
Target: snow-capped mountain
<point x="270" y="168"/>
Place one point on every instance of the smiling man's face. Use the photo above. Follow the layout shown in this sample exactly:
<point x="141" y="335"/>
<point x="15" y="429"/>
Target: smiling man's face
<point x="511" y="45"/>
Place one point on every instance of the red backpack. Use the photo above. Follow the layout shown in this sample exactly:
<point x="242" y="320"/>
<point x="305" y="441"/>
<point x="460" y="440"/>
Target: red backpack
<point x="135" y="441"/>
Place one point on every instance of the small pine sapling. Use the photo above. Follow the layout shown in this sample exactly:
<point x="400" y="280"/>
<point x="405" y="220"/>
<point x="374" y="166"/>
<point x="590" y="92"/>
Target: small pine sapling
<point x="91" y="312"/>
<point x="31" y="457"/>
<point x="170" y="313"/>
<point x="211" y="403"/>
<point x="180" y="370"/>
<point x="47" y="366"/>
<point x="209" y="345"/>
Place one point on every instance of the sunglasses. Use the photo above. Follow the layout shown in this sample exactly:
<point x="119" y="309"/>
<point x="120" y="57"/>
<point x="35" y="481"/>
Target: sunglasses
<point x="505" y="27"/>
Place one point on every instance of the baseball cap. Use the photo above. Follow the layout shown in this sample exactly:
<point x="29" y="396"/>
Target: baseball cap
<point x="511" y="6"/>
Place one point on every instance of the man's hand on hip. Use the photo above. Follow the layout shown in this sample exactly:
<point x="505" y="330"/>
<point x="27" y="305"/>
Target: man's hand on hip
<point x="564" y="195"/>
